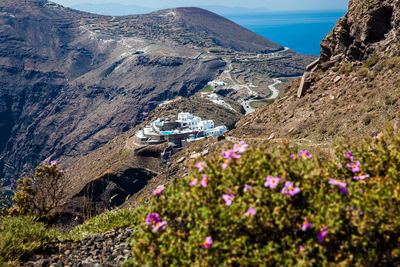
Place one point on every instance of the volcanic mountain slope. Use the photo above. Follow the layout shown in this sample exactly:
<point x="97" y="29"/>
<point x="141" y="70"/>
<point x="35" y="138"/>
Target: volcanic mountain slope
<point x="71" y="81"/>
<point x="355" y="88"/>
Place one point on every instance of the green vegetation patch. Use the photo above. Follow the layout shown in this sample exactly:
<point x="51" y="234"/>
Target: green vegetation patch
<point x="258" y="104"/>
<point x="371" y="61"/>
<point x="107" y="221"/>
<point x="21" y="236"/>
<point x="279" y="207"/>
<point x="208" y="88"/>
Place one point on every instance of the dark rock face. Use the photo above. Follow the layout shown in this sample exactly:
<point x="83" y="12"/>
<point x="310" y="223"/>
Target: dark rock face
<point x="104" y="192"/>
<point x="365" y="24"/>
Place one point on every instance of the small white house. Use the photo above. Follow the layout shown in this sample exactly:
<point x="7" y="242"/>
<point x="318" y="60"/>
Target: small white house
<point x="206" y="125"/>
<point x="215" y="131"/>
<point x="189" y="121"/>
<point x="217" y="83"/>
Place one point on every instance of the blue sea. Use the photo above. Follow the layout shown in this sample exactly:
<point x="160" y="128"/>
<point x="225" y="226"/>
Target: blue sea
<point x="300" y="31"/>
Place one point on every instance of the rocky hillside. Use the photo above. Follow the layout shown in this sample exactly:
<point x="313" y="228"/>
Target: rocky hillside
<point x="71" y="81"/>
<point x="353" y="88"/>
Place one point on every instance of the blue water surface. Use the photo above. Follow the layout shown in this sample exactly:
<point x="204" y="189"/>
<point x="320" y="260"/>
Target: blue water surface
<point x="167" y="133"/>
<point x="301" y="31"/>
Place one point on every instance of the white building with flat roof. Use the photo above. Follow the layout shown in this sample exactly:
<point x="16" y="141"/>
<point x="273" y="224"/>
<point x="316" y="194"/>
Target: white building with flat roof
<point x="186" y="127"/>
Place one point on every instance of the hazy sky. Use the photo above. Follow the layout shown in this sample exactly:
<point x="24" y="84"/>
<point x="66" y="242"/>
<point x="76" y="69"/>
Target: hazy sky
<point x="273" y="5"/>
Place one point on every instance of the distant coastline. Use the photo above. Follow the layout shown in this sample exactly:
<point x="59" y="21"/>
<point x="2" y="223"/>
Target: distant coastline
<point x="302" y="31"/>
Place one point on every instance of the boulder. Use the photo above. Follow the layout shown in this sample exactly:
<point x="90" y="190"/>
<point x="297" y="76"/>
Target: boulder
<point x="304" y="84"/>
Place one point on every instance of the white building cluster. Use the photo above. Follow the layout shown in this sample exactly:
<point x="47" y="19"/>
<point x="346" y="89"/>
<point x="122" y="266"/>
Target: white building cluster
<point x="186" y="128"/>
<point x="216" y="100"/>
<point x="216" y="84"/>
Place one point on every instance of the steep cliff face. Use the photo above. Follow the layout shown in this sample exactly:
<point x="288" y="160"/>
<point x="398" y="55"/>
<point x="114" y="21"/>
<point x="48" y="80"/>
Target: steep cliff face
<point x="354" y="88"/>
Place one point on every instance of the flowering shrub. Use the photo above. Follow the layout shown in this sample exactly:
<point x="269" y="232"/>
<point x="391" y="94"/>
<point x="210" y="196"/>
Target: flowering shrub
<point x="42" y="193"/>
<point x="280" y="207"/>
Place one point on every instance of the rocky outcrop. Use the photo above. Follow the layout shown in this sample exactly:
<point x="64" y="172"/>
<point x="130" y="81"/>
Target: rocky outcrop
<point x="357" y="36"/>
<point x="354" y="36"/>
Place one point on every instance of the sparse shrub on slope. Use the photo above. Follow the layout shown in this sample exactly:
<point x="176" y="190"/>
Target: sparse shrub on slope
<point x="279" y="208"/>
<point x="106" y="221"/>
<point x="20" y="236"/>
<point x="42" y="193"/>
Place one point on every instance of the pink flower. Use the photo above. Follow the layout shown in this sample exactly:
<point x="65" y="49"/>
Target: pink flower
<point x="61" y="171"/>
<point x="301" y="249"/>
<point x="322" y="233"/>
<point x="378" y="137"/>
<point x="225" y="164"/>
<point x="290" y="190"/>
<point x="342" y="185"/>
<point x="305" y="154"/>
<point x="227" y="154"/>
<point x="355" y="166"/>
<point x="193" y="181"/>
<point x="337" y="182"/>
<point x="53" y="162"/>
<point x="228" y="198"/>
<point x="159" y="225"/>
<point x="158" y="190"/>
<point x="236" y="155"/>
<point x="360" y="176"/>
<point x="250" y="211"/>
<point x="272" y="181"/>
<point x="208" y="242"/>
<point x="350" y="156"/>
<point x="240" y="147"/>
<point x="204" y="181"/>
<point x="153" y="218"/>
<point x="344" y="190"/>
<point x="247" y="188"/>
<point x="201" y="165"/>
<point x="294" y="157"/>
<point x="305" y="224"/>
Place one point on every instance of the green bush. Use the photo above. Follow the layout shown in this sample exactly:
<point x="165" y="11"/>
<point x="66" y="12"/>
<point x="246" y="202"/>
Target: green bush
<point x="353" y="224"/>
<point x="208" y="88"/>
<point x="107" y="221"/>
<point x="346" y="68"/>
<point x="40" y="194"/>
<point x="5" y="202"/>
<point x="371" y="61"/>
<point x="20" y="236"/>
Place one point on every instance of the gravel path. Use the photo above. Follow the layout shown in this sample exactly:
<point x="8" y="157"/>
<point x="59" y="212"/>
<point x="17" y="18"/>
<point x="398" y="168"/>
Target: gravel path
<point x="106" y="249"/>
